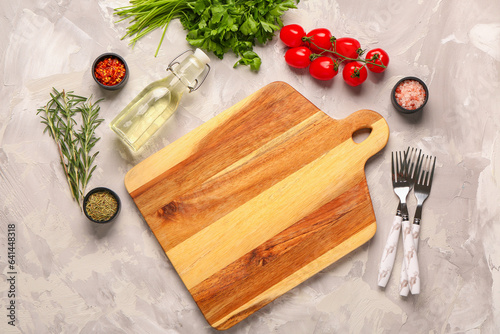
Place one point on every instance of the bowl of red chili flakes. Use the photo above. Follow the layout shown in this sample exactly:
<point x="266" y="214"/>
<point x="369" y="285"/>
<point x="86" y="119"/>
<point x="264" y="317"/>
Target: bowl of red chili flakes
<point x="110" y="71"/>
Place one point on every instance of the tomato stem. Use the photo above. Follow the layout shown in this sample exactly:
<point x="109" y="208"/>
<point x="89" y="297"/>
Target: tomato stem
<point x="343" y="58"/>
<point x="356" y="73"/>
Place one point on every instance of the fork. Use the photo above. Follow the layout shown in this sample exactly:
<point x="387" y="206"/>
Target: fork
<point x="422" y="190"/>
<point x="401" y="188"/>
<point x="413" y="165"/>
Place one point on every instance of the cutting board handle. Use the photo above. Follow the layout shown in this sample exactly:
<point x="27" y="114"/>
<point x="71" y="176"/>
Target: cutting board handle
<point x="366" y="119"/>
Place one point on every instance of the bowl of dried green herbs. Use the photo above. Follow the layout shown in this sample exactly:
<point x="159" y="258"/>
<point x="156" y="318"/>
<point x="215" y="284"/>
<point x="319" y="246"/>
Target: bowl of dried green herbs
<point x="101" y="205"/>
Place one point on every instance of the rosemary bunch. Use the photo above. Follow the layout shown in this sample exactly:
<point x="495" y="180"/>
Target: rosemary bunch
<point x="74" y="145"/>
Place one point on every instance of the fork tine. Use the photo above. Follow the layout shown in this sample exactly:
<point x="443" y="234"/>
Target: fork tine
<point x="423" y="176"/>
<point x="412" y="164"/>
<point x="432" y="171"/>
<point x="392" y="168"/>
<point x="420" y="163"/>
<point x="409" y="154"/>
<point x="424" y="171"/>
<point x="398" y="166"/>
<point x="427" y="169"/>
<point x="402" y="165"/>
<point x="406" y="164"/>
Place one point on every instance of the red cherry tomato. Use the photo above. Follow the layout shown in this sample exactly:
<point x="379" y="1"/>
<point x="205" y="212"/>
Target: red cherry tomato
<point x="298" y="57"/>
<point x="354" y="73"/>
<point x="292" y="35"/>
<point x="323" y="68"/>
<point x="347" y="47"/>
<point x="322" y="39"/>
<point x="376" y="59"/>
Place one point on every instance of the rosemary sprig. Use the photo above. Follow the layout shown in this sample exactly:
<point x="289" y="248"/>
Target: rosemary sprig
<point x="74" y="146"/>
<point x="87" y="139"/>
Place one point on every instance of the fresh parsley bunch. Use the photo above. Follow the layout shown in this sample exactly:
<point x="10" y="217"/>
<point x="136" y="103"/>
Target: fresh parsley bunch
<point x="218" y="26"/>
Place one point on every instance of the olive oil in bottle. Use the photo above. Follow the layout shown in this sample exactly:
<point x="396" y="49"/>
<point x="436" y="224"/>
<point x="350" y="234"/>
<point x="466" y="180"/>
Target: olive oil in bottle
<point x="149" y="110"/>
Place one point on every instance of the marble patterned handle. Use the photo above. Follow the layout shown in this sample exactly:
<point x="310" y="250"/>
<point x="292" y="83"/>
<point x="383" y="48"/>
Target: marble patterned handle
<point x="410" y="260"/>
<point x="404" y="287"/>
<point x="415" y="232"/>
<point x="389" y="254"/>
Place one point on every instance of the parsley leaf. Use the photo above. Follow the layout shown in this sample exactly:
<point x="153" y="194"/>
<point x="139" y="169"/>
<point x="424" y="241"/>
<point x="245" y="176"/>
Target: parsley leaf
<point x="249" y="58"/>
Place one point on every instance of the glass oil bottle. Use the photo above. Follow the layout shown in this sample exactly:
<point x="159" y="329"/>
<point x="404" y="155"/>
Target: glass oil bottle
<point x="149" y="110"/>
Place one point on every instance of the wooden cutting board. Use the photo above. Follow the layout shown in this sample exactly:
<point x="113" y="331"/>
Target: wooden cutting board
<point x="259" y="198"/>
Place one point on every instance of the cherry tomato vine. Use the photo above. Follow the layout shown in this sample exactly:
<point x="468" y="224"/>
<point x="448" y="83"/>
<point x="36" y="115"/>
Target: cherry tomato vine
<point x="323" y="53"/>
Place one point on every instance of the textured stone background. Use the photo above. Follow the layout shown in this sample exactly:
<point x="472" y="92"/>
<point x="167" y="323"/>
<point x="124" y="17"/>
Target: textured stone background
<point x="75" y="277"/>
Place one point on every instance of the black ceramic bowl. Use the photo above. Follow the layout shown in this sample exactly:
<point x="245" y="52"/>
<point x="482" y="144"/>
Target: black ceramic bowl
<point x="120" y="59"/>
<point x="90" y="215"/>
<point x="403" y="109"/>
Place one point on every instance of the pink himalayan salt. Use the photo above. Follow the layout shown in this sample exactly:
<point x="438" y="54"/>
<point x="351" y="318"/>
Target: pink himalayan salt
<point x="410" y="94"/>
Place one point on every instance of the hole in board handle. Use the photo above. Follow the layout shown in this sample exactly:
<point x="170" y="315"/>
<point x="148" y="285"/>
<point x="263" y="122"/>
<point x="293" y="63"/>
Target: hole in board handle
<point x="360" y="135"/>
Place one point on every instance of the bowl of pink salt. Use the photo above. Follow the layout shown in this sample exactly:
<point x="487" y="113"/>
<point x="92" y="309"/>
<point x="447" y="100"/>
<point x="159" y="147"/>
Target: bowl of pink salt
<point x="409" y="95"/>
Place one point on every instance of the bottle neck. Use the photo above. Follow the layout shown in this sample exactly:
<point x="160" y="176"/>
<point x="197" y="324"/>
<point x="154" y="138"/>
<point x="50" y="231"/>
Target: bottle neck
<point x="187" y="72"/>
